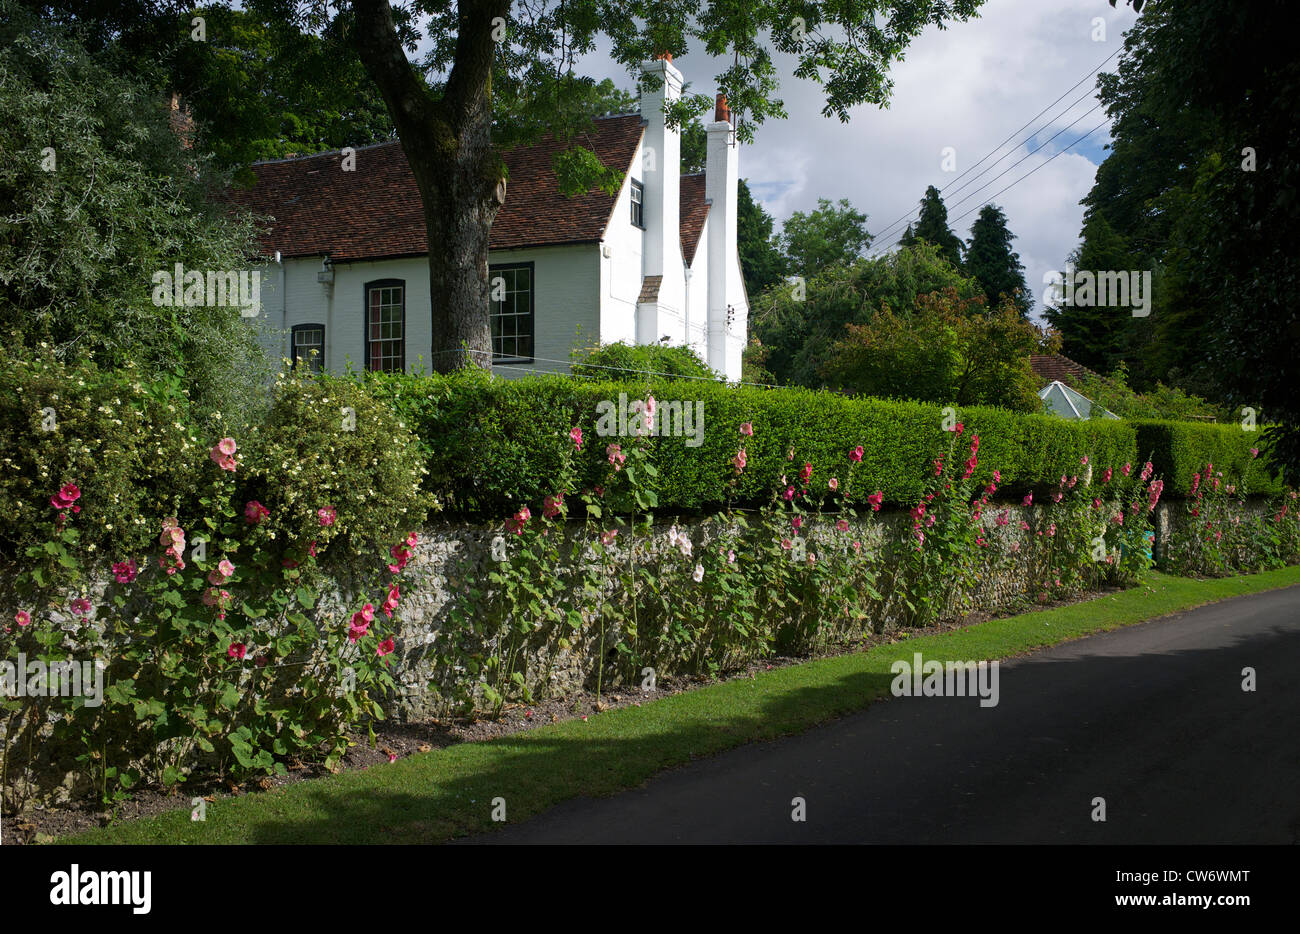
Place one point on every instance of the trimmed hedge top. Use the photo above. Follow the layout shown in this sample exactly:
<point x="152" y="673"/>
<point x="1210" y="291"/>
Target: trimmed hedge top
<point x="494" y="444"/>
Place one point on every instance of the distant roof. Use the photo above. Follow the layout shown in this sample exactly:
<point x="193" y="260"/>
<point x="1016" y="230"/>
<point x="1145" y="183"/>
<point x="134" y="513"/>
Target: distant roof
<point x="1056" y="367"/>
<point x="374" y="212"/>
<point x="1061" y="400"/>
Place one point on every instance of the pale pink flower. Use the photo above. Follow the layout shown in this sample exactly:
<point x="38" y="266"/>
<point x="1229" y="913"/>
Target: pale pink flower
<point x="327" y="516"/>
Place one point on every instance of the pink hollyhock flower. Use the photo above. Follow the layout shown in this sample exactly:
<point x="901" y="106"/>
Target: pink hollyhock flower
<point x="740" y="460"/>
<point x="607" y="538"/>
<point x="842" y="525"/>
<point x="856" y="454"/>
<point x="124" y="572"/>
<point x="797" y="522"/>
<point x="1254" y="452"/>
<point x="392" y="757"/>
<point x="390" y="603"/>
<point x="225" y="567"/>
<point x="1106" y="475"/>
<point x="412" y="539"/>
<point x="997" y="476"/>
<point x="789" y="493"/>
<point x="327" y="516"/>
<point x="918" y="511"/>
<point x="255" y="512"/>
<point x="1003" y="518"/>
<point x="357" y="632"/>
<point x="1024" y="526"/>
<point x="857" y="547"/>
<point x="833" y="483"/>
<point x="385" y="648"/>
<point x="226" y="446"/>
<point x="1126" y="469"/>
<point x="747" y="429"/>
<point x="1096" y="504"/>
<point x="875" y="499"/>
<point x="1073" y="481"/>
<point x="938" y="467"/>
<point x="806" y="474"/>
<point x="80" y="606"/>
<point x="1146" y="472"/>
<point x="22" y="618"/>
<point x="552" y="506"/>
<point x="1028" y="500"/>
<point x="68" y="494"/>
<point x="959" y="428"/>
<point x="920" y="536"/>
<point x="616" y="456"/>
<point x="1084" y="461"/>
<point x="575" y="435"/>
<point x="237" y="650"/>
<point x="1056" y="497"/>
<point x="1051" y="529"/>
<point x="929" y="520"/>
<point x="787" y="544"/>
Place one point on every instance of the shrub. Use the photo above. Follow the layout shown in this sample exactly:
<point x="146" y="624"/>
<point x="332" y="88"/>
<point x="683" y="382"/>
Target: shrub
<point x="1181" y="449"/>
<point x="492" y="444"/>
<point x="328" y="442"/>
<point x="638" y="361"/>
<point x="128" y="443"/>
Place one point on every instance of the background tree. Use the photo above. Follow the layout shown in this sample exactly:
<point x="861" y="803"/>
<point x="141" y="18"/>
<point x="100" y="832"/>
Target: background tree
<point x="97" y="195"/>
<point x="932" y="227"/>
<point x="950" y="350"/>
<point x="829" y="235"/>
<point x="796" y="328"/>
<point x="995" y="266"/>
<point x="1097" y="336"/>
<point x="761" y="261"/>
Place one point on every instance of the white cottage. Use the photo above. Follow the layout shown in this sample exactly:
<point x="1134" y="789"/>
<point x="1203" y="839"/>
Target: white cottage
<point x="657" y="262"/>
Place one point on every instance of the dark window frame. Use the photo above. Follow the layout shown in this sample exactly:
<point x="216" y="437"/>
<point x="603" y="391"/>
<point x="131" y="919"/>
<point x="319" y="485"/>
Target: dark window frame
<point x="293" y="344"/>
<point x="638" y="206"/>
<point x="531" y="266"/>
<point x="365" y="316"/>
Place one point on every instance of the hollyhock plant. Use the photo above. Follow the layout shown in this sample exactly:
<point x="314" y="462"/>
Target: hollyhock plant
<point x="385" y="648"/>
<point x="68" y="494"/>
<point x="806" y="473"/>
<point x="223" y="454"/>
<point x="553" y="506"/>
<point x="124" y="572"/>
<point x="255" y="512"/>
<point x="875" y="499"/>
<point x="327" y="516"/>
<point x="833" y="483"/>
<point x="22" y="618"/>
<point x="842" y="525"/>
<point x="237" y="650"/>
<point x="739" y="461"/>
<point x="80" y="606"/>
<point x="856" y="454"/>
<point x="575" y="435"/>
<point x="616" y="456"/>
<point x="1028" y="500"/>
<point x="747" y="429"/>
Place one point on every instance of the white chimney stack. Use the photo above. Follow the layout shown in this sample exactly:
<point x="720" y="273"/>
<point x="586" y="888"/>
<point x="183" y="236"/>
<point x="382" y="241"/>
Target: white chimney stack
<point x="722" y="177"/>
<point x="660" y="176"/>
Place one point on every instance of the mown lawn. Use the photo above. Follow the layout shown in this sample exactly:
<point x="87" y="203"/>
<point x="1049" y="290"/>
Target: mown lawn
<point x="446" y="793"/>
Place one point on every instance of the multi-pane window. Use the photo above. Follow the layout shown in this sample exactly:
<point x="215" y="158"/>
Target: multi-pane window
<point x="386" y="325"/>
<point x="309" y="346"/>
<point x="638" y="210"/>
<point x="511" y="292"/>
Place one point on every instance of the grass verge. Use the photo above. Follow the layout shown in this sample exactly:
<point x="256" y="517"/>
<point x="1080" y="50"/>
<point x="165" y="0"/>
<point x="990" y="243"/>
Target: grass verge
<point x="446" y="793"/>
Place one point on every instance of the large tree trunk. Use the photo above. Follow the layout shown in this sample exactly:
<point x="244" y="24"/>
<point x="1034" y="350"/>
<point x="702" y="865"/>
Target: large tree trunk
<point x="460" y="177"/>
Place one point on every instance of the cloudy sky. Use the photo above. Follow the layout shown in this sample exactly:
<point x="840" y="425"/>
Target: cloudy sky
<point x="968" y="87"/>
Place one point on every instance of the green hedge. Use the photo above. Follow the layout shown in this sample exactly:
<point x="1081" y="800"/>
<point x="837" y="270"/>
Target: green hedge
<point x="1180" y="449"/>
<point x="492" y="444"/>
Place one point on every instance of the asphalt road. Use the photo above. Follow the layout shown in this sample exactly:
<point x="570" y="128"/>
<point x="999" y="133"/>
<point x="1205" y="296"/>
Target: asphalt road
<point x="1152" y="718"/>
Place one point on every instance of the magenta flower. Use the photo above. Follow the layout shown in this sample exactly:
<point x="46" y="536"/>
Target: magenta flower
<point x="740" y="460"/>
<point x="552" y="506"/>
<point x="806" y="474"/>
<point x="237" y="650"/>
<point x="1028" y="500"/>
<point x="80" y="606"/>
<point x="607" y="538"/>
<point x="327" y="516"/>
<point x="797" y="522"/>
<point x="68" y="494"/>
<point x="856" y="454"/>
<point x="747" y="429"/>
<point x="842" y="525"/>
<point x="255" y="512"/>
<point x="22" y="618"/>
<point x="124" y="572"/>
<point x="875" y="499"/>
<point x="385" y="648"/>
<point x="833" y="483"/>
<point x="616" y="456"/>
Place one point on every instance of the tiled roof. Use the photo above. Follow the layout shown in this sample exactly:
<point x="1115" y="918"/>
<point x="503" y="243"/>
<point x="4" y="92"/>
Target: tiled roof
<point x="374" y="212"/>
<point x="1056" y="368"/>
<point x="693" y="210"/>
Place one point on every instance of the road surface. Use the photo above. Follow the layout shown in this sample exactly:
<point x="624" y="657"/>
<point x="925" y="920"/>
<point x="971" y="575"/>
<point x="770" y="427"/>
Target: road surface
<point x="1152" y="718"/>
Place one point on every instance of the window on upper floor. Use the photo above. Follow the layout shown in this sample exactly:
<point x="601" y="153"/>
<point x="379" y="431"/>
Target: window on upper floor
<point x="386" y="325"/>
<point x="638" y="209"/>
<point x="511" y="289"/>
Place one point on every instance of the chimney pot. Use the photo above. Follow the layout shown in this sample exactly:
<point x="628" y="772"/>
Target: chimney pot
<point x="721" y="113"/>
